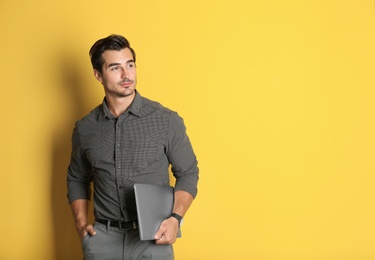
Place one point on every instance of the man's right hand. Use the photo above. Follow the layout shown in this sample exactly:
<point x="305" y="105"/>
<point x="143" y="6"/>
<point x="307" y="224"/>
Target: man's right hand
<point x="84" y="230"/>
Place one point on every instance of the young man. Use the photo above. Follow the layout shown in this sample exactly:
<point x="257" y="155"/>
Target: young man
<point x="127" y="139"/>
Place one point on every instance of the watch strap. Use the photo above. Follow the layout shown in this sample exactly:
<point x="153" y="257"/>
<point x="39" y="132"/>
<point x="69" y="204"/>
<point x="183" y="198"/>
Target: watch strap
<point x="178" y="217"/>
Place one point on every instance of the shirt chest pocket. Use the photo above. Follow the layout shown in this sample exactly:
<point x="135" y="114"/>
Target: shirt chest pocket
<point x="145" y="153"/>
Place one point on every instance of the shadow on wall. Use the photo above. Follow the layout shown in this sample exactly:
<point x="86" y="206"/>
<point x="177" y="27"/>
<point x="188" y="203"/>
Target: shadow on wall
<point x="66" y="242"/>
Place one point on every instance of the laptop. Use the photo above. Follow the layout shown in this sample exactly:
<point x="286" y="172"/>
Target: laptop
<point x="154" y="204"/>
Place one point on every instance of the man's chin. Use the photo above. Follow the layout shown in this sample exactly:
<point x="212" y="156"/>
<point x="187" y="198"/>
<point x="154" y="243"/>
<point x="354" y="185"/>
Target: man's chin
<point x="128" y="93"/>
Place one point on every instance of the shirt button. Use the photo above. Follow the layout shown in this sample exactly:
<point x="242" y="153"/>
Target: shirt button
<point x="118" y="145"/>
<point x="118" y="166"/>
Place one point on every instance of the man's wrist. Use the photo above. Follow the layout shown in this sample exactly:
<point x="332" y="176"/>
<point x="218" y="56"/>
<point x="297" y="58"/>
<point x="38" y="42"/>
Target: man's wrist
<point x="81" y="225"/>
<point x="178" y="217"/>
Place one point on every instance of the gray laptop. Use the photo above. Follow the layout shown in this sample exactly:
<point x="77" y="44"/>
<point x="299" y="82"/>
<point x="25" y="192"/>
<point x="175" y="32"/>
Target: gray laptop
<point x="154" y="204"/>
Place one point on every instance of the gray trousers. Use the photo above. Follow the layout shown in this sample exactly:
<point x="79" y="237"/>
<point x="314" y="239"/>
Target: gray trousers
<point x="113" y="243"/>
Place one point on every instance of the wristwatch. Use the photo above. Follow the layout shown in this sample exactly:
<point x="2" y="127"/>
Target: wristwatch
<point x="178" y="217"/>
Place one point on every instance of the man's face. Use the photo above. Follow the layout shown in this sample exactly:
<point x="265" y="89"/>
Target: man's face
<point x="119" y="75"/>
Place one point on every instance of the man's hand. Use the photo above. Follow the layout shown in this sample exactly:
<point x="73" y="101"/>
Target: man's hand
<point x="84" y="230"/>
<point x="167" y="232"/>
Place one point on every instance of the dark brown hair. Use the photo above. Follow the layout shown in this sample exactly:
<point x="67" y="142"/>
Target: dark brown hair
<point x="112" y="42"/>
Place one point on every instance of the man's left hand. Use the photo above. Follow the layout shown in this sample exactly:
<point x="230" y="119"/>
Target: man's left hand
<point x="167" y="232"/>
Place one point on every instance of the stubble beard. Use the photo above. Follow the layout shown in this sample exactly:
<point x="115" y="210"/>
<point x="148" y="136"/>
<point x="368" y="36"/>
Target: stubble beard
<point x="127" y="91"/>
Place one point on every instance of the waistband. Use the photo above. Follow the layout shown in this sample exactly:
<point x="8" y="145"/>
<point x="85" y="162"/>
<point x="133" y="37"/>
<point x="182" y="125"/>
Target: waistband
<point x="119" y="224"/>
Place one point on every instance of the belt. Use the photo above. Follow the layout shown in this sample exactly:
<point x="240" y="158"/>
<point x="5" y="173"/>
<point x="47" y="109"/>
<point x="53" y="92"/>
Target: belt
<point x="119" y="224"/>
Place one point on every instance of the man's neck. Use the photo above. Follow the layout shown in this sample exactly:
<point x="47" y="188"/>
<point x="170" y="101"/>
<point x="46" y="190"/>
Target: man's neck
<point x="118" y="105"/>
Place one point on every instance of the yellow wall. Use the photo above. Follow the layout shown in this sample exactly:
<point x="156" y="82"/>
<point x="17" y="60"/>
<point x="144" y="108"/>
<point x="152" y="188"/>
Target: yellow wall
<point x="278" y="97"/>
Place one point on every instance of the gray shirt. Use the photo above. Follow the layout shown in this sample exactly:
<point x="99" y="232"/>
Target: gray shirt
<point x="137" y="147"/>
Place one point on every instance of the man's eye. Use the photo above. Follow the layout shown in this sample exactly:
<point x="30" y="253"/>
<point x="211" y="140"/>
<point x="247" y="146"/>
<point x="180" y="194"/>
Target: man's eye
<point x="114" y="68"/>
<point x="130" y="65"/>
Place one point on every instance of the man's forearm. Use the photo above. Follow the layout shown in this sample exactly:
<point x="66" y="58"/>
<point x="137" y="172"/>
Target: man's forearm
<point x="80" y="211"/>
<point x="182" y="203"/>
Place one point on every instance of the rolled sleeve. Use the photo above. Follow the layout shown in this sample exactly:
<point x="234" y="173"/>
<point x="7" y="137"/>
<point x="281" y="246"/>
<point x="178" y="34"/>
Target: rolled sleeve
<point x="79" y="175"/>
<point x="182" y="157"/>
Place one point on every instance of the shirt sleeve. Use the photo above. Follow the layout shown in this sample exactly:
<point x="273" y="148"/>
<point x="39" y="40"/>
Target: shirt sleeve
<point x="79" y="175"/>
<point x="181" y="156"/>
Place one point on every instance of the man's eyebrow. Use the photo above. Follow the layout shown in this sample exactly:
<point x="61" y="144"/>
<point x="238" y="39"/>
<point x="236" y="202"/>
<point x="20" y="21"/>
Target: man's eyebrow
<point x="117" y="63"/>
<point x="113" y="64"/>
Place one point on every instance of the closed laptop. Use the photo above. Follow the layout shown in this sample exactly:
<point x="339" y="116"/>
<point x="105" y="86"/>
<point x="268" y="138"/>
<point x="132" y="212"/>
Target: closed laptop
<point x="154" y="204"/>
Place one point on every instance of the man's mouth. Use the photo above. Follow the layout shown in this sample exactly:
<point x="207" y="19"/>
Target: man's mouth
<point x="126" y="83"/>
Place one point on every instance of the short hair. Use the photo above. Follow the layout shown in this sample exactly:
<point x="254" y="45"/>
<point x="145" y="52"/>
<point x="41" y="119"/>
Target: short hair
<point x="112" y="42"/>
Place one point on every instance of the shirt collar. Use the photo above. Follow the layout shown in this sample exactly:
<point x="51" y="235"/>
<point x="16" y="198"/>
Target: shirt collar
<point x="135" y="107"/>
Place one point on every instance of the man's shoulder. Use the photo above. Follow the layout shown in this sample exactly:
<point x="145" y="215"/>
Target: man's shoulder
<point x="90" y="118"/>
<point x="151" y="106"/>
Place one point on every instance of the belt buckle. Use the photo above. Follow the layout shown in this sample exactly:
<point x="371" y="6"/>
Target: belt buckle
<point x="120" y="224"/>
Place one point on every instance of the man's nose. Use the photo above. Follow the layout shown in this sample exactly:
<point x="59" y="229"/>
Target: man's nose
<point x="125" y="74"/>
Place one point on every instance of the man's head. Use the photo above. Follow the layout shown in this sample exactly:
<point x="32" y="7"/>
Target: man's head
<point x="112" y="42"/>
<point x="114" y="66"/>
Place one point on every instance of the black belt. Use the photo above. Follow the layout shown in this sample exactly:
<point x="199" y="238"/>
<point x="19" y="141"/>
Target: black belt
<point x="119" y="224"/>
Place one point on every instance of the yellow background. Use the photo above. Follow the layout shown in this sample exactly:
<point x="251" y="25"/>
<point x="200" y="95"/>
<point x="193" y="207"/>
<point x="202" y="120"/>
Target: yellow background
<point x="278" y="97"/>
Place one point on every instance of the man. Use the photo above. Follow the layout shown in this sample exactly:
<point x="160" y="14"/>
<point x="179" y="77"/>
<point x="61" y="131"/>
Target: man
<point x="127" y="139"/>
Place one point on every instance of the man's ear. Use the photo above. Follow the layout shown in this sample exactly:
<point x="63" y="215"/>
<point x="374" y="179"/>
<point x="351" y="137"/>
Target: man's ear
<point x="98" y="76"/>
